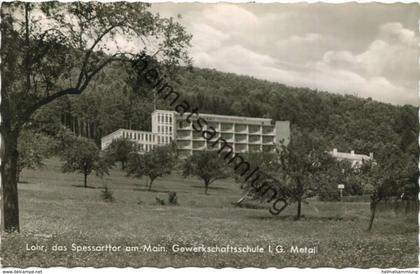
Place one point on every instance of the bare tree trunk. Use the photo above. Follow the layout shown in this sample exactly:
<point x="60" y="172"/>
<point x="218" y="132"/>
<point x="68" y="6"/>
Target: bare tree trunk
<point x="79" y="127"/>
<point x="85" y="179"/>
<point x="150" y="185"/>
<point x="75" y="125"/>
<point x="372" y="214"/>
<point x="9" y="182"/>
<point x="206" y="186"/>
<point x="299" y="209"/>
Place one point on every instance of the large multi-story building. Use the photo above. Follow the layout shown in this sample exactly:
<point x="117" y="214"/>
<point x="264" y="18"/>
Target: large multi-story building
<point x="242" y="134"/>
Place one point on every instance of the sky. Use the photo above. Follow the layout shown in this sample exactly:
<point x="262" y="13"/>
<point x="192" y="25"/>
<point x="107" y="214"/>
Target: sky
<point x="367" y="50"/>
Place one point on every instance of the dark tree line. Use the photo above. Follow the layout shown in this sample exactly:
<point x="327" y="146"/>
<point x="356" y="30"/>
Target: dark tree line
<point x="345" y="122"/>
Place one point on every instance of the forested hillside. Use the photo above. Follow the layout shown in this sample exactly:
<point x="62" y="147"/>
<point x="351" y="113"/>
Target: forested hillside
<point x="346" y="122"/>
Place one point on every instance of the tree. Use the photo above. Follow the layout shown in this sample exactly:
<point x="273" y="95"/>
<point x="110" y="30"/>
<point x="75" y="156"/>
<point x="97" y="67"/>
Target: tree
<point x="301" y="166"/>
<point x="206" y="165"/>
<point x="119" y="149"/>
<point x="153" y="164"/>
<point x="265" y="161"/>
<point x="390" y="174"/>
<point x="339" y="172"/>
<point x="51" y="49"/>
<point x="83" y="156"/>
<point x="33" y="148"/>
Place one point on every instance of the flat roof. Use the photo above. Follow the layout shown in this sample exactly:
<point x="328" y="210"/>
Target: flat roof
<point x="224" y="117"/>
<point x="131" y="130"/>
<point x="349" y="156"/>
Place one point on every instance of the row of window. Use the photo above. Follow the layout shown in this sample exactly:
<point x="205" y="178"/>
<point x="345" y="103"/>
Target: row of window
<point x="164" y="139"/>
<point x="138" y="136"/>
<point x="165" y="129"/>
<point x="145" y="147"/>
<point x="229" y="127"/>
<point x="164" y="118"/>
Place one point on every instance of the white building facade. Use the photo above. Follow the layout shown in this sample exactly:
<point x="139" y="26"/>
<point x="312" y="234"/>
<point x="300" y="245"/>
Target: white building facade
<point x="356" y="159"/>
<point x="241" y="134"/>
<point x="146" y="140"/>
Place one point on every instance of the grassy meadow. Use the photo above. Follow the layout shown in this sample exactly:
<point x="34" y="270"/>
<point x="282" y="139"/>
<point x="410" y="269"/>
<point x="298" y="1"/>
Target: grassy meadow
<point x="56" y="210"/>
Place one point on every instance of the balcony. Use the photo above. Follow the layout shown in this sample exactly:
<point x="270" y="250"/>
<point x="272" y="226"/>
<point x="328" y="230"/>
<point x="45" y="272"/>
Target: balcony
<point x="226" y="127"/>
<point x="183" y="135"/>
<point x="241" y="128"/>
<point x="216" y="126"/>
<point x="239" y="148"/>
<point x="268" y="130"/>
<point x="227" y="136"/>
<point x="227" y="148"/>
<point x="254" y="139"/>
<point x="183" y="144"/>
<point x="183" y="125"/>
<point x="210" y="146"/>
<point x="197" y="136"/>
<point x="254" y="148"/>
<point x="267" y="140"/>
<point x="241" y="138"/>
<point x="254" y="130"/>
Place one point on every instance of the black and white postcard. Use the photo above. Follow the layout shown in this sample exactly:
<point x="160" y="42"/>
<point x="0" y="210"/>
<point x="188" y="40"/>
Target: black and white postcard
<point x="215" y="135"/>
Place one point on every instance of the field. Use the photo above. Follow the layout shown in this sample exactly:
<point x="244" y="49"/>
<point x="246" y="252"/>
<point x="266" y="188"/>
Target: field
<point x="57" y="210"/>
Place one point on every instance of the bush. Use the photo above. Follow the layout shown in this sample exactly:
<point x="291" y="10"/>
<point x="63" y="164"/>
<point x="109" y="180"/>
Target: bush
<point x="159" y="201"/>
<point x="368" y="189"/>
<point x="172" y="199"/>
<point x="329" y="193"/>
<point x="107" y="195"/>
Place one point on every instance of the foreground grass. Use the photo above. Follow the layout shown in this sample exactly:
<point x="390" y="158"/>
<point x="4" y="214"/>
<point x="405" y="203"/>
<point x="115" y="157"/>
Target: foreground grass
<point x="55" y="210"/>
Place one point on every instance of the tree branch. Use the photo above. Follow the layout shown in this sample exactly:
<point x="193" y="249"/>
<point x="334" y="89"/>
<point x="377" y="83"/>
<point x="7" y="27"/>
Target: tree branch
<point x="86" y="59"/>
<point x="49" y="99"/>
<point x="89" y="77"/>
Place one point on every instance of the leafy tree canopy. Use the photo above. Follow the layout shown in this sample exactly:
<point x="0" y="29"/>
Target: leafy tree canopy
<point x="119" y="150"/>
<point x="206" y="165"/>
<point x="156" y="163"/>
<point x="33" y="148"/>
<point x="83" y="156"/>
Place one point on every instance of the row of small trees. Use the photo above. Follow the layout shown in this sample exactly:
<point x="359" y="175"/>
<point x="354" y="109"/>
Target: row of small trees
<point x="162" y="160"/>
<point x="82" y="155"/>
<point x="303" y="169"/>
<point x="79" y="154"/>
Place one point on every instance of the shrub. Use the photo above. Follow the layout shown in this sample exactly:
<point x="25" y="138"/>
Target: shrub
<point x="159" y="201"/>
<point x="107" y="195"/>
<point x="172" y="199"/>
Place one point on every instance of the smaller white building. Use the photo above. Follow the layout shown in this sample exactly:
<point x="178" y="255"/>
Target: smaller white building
<point x="355" y="159"/>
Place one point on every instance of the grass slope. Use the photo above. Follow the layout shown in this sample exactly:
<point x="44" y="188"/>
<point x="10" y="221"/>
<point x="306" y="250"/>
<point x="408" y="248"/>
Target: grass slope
<point x="55" y="209"/>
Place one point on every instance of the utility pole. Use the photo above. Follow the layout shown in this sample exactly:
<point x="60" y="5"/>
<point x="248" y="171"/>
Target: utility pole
<point x="341" y="187"/>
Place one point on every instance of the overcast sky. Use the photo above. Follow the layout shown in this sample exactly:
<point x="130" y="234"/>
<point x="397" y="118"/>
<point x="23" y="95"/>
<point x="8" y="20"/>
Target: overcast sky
<point x="369" y="50"/>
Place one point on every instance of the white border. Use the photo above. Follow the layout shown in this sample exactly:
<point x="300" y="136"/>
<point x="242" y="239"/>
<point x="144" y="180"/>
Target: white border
<point x="193" y="270"/>
<point x="205" y="270"/>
